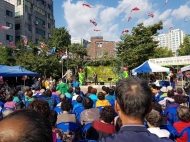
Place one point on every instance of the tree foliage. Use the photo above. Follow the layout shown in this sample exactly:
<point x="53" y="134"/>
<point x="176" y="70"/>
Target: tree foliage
<point x="184" y="48"/>
<point x="138" y="46"/>
<point x="161" y="52"/>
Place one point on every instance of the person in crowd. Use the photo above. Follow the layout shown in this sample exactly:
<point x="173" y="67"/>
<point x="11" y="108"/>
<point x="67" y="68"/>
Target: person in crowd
<point x="170" y="96"/>
<point x="93" y="95"/>
<point x="88" y="92"/>
<point x="101" y="102"/>
<point x="40" y="106"/>
<point x="111" y="93"/>
<point x="162" y="94"/>
<point x="20" y="105"/>
<point x="183" y="113"/>
<point x="133" y="103"/>
<point x="62" y="86"/>
<point x="81" y="92"/>
<point x="89" y="114"/>
<point x="29" y="96"/>
<point x="9" y="102"/>
<point x="15" y="95"/>
<point x="154" y="120"/>
<point x="76" y="94"/>
<point x="66" y="106"/>
<point x="25" y="126"/>
<point x="79" y="103"/>
<point x="103" y="127"/>
<point x="69" y="94"/>
<point x="118" y="124"/>
<point x="179" y="91"/>
<point x="51" y="101"/>
<point x="62" y="99"/>
<point x="107" y="95"/>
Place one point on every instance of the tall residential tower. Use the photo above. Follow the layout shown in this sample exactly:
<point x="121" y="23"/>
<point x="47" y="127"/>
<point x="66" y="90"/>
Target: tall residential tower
<point x="33" y="18"/>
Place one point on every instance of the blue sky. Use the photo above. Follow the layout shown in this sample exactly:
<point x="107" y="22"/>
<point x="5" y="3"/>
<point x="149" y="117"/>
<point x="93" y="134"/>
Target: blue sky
<point x="111" y="16"/>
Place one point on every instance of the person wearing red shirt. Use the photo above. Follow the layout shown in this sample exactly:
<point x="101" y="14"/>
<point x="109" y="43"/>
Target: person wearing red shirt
<point x="183" y="113"/>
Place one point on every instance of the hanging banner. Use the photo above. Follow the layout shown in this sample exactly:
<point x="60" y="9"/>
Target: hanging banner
<point x="180" y="60"/>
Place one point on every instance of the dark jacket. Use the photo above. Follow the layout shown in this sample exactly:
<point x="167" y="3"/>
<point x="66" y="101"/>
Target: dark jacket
<point x="137" y="133"/>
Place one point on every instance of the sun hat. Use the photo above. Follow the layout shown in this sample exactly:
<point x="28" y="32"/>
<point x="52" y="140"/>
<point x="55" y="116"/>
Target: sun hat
<point x="163" y="89"/>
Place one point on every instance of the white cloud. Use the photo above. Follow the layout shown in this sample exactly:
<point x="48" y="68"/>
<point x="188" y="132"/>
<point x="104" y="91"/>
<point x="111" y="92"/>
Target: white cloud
<point x="182" y="12"/>
<point x="111" y="20"/>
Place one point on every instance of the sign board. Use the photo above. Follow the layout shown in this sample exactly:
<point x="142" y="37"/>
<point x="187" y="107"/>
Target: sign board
<point x="180" y="60"/>
<point x="103" y="73"/>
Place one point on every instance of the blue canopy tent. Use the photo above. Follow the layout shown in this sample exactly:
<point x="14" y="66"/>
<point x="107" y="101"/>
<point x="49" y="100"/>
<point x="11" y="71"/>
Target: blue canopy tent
<point x="13" y="71"/>
<point x="148" y="66"/>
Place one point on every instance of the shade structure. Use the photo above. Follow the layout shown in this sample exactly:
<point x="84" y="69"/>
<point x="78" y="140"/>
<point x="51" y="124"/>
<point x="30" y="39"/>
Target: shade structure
<point x="11" y="71"/>
<point x="185" y="68"/>
<point x="150" y="67"/>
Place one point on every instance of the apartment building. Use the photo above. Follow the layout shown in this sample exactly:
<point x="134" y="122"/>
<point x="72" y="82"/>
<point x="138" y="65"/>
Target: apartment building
<point x="7" y="18"/>
<point x="98" y="47"/>
<point x="171" y="40"/>
<point x="80" y="41"/>
<point x="33" y="18"/>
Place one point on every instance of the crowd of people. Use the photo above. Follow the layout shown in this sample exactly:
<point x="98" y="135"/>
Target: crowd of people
<point x="130" y="111"/>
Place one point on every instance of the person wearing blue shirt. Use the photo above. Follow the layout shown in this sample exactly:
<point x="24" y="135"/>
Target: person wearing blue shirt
<point x="69" y="92"/>
<point x="78" y="104"/>
<point x="133" y="103"/>
<point x="93" y="95"/>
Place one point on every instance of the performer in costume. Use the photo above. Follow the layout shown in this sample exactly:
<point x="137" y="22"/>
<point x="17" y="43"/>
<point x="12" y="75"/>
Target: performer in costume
<point x="95" y="76"/>
<point x="125" y="72"/>
<point x="81" y="77"/>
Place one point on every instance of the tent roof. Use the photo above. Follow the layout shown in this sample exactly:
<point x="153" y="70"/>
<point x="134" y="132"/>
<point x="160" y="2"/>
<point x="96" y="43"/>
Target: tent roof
<point x="185" y="68"/>
<point x="150" y="67"/>
<point x="11" y="71"/>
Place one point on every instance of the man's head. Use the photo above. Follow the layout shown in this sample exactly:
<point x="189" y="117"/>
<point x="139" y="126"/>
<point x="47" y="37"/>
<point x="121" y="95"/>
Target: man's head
<point x="25" y="126"/>
<point x="183" y="113"/>
<point x="66" y="105"/>
<point x="133" y="98"/>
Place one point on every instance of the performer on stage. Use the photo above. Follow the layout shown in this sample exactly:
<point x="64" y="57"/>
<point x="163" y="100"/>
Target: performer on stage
<point x="95" y="76"/>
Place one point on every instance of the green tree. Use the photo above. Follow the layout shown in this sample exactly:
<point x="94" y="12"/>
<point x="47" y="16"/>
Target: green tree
<point x="138" y="46"/>
<point x="184" y="48"/>
<point x="161" y="52"/>
<point x="60" y="38"/>
<point x="7" y="55"/>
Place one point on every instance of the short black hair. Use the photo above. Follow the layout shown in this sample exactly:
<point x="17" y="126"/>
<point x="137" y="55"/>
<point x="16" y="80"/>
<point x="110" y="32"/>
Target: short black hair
<point x="77" y="91"/>
<point x="87" y="103"/>
<point x="101" y="96"/>
<point x="156" y="106"/>
<point x="53" y="117"/>
<point x="70" y="90"/>
<point x="79" y="99"/>
<point x="134" y="97"/>
<point x="111" y="91"/>
<point x="48" y="93"/>
<point x="107" y="114"/>
<point x="35" y="128"/>
<point x="66" y="105"/>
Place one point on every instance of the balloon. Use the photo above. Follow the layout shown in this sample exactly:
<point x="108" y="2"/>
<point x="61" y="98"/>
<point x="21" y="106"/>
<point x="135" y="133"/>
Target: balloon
<point x="125" y="68"/>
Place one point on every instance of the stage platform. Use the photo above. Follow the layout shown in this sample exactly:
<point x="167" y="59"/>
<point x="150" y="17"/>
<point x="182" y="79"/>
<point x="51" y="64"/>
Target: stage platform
<point x="98" y="87"/>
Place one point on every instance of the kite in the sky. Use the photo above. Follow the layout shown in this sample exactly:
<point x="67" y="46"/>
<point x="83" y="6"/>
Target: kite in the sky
<point x="93" y="22"/>
<point x="4" y="27"/>
<point x="87" y="5"/>
<point x="166" y="3"/>
<point x="171" y="27"/>
<point x="129" y="19"/>
<point x="125" y="31"/>
<point x="151" y="15"/>
<point x="25" y="40"/>
<point x="96" y="30"/>
<point x="135" y="9"/>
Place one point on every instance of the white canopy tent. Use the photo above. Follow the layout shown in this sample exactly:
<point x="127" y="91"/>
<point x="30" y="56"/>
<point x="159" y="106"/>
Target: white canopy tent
<point x="185" y="68"/>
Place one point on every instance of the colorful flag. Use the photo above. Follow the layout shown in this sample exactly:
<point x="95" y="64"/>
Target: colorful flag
<point x="42" y="44"/>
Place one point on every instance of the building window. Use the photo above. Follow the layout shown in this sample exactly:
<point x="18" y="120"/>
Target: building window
<point x="18" y="2"/>
<point x="29" y="28"/>
<point x="99" y="54"/>
<point x="29" y="16"/>
<point x="9" y="13"/>
<point x="9" y="37"/>
<point x="99" y="44"/>
<point x="40" y="21"/>
<point x="49" y="25"/>
<point x="17" y="14"/>
<point x="9" y="25"/>
<point x="40" y="32"/>
<point x="50" y="16"/>
<point x="17" y="38"/>
<point x="50" y="7"/>
<point x="17" y="27"/>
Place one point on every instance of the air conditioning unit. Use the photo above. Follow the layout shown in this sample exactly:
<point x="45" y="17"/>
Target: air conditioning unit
<point x="36" y="22"/>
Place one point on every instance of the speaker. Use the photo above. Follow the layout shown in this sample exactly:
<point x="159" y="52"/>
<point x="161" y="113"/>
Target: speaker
<point x="109" y="79"/>
<point x="101" y="83"/>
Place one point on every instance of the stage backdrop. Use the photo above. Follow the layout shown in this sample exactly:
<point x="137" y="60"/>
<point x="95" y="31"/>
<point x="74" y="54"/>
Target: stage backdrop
<point x="103" y="72"/>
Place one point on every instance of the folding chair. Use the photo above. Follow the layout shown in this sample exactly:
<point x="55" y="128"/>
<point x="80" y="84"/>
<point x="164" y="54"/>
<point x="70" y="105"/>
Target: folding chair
<point x="85" y="128"/>
<point x="58" y="110"/>
<point x="68" y="126"/>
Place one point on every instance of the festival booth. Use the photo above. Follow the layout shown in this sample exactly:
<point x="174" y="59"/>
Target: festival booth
<point x="148" y="66"/>
<point x="14" y="71"/>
